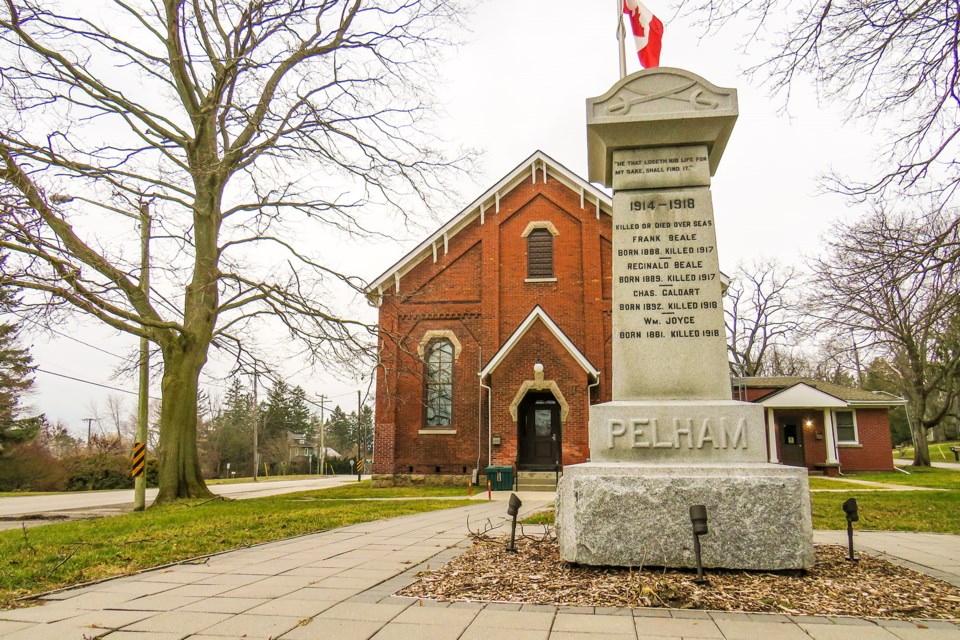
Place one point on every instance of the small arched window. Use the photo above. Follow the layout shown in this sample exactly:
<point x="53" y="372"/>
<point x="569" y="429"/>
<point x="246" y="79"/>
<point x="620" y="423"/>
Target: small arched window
<point x="540" y="253"/>
<point x="438" y="383"/>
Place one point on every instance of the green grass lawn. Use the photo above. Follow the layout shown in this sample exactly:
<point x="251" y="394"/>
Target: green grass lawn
<point x="926" y="511"/>
<point x="69" y="553"/>
<point x="939" y="451"/>
<point x="918" y="477"/>
<point x="19" y="494"/>
<point x="540" y="517"/>
<point x="823" y="483"/>
<point x="365" y="490"/>
<point x="213" y="481"/>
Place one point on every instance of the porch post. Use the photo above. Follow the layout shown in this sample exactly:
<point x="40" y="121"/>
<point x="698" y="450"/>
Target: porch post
<point x="830" y="431"/>
<point x="772" y="437"/>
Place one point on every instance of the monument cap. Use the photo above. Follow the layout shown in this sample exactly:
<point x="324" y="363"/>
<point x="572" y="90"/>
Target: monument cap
<point x="658" y="107"/>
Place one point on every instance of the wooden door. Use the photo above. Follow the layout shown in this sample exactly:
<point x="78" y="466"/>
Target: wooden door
<point x="539" y="432"/>
<point x="791" y="442"/>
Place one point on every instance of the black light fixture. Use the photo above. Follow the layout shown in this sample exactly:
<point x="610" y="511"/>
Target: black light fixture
<point x="698" y="516"/>
<point x="513" y="508"/>
<point x="853" y="515"/>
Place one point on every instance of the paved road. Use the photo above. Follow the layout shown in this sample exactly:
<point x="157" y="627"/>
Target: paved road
<point x="116" y="501"/>
<point x="339" y="584"/>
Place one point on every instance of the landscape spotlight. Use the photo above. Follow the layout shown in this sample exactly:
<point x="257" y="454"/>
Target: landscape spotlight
<point x="513" y="508"/>
<point x="698" y="516"/>
<point x="853" y="515"/>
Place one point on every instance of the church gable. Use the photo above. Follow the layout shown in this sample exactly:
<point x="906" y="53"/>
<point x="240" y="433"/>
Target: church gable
<point x="538" y="170"/>
<point x="458" y="281"/>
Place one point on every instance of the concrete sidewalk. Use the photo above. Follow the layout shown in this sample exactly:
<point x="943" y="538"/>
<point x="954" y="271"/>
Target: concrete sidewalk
<point x="902" y="462"/>
<point x="338" y="585"/>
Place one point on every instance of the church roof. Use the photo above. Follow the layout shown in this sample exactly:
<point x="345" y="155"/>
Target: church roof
<point x="533" y="168"/>
<point x="539" y="314"/>
<point x="847" y="394"/>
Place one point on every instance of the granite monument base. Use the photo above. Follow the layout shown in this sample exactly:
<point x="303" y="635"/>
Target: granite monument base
<point x="632" y="514"/>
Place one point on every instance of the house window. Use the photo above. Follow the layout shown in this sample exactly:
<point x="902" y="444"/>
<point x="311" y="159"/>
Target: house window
<point x="438" y="383"/>
<point x="846" y="427"/>
<point x="540" y="253"/>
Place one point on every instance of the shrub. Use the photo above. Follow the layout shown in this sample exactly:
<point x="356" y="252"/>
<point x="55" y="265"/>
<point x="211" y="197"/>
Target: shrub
<point x="30" y="467"/>
<point x="92" y="472"/>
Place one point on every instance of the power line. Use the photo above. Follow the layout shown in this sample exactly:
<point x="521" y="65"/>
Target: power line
<point x="92" y="346"/>
<point x="96" y="384"/>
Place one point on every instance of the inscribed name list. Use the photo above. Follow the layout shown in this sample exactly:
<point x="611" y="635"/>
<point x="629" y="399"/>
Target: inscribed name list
<point x="668" y="329"/>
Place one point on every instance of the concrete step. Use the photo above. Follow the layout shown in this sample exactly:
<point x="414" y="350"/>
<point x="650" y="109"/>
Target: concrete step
<point x="538" y="475"/>
<point x="537" y="487"/>
<point x="537" y="481"/>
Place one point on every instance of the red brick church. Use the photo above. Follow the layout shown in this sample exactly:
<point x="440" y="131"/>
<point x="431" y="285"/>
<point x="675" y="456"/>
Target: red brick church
<point x="495" y="340"/>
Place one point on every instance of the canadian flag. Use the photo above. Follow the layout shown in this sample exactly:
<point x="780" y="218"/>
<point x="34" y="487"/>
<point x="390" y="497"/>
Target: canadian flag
<point x="647" y="32"/>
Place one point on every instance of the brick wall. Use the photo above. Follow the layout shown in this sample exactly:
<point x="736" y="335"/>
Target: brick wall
<point x="477" y="290"/>
<point x="875" y="450"/>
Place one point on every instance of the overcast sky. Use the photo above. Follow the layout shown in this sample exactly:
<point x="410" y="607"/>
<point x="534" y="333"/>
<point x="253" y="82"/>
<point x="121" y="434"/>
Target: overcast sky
<point x="518" y="84"/>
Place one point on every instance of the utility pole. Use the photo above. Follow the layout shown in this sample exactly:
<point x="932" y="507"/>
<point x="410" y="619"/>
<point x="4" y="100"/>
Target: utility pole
<point x="256" y="423"/>
<point x="143" y="407"/>
<point x="89" y="422"/>
<point x="359" y="439"/>
<point x="323" y="428"/>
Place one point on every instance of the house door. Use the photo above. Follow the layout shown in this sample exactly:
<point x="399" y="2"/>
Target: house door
<point x="791" y="442"/>
<point x="538" y="432"/>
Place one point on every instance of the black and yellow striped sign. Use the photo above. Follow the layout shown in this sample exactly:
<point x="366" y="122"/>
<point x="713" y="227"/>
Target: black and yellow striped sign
<point x="139" y="459"/>
<point x="359" y="466"/>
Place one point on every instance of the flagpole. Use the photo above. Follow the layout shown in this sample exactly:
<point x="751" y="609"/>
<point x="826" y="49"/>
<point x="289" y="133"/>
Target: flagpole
<point x="621" y="33"/>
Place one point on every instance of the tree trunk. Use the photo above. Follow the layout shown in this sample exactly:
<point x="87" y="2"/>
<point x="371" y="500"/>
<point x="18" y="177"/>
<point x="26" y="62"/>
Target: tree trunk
<point x="180" y="475"/>
<point x="918" y="433"/>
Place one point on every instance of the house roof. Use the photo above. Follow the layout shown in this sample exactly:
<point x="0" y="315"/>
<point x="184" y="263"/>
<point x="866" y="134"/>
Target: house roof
<point x="538" y="314"/>
<point x="490" y="201"/>
<point x="847" y="394"/>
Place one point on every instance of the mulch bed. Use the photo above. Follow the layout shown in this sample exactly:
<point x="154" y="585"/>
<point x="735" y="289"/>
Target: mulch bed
<point x="871" y="588"/>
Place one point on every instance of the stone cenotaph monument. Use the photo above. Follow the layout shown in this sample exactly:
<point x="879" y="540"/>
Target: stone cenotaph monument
<point x="673" y="437"/>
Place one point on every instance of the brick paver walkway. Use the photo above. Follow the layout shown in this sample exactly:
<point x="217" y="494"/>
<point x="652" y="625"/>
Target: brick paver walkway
<point x="338" y="585"/>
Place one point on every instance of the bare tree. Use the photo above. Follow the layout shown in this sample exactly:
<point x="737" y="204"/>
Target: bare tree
<point x="885" y="60"/>
<point x="239" y="124"/>
<point x="867" y="285"/>
<point x="762" y="316"/>
<point x="119" y="418"/>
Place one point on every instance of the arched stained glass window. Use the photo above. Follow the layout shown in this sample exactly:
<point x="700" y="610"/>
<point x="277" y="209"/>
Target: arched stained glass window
<point x="438" y="383"/>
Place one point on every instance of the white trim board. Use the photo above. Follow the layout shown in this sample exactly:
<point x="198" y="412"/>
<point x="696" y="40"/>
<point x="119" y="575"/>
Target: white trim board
<point x="538" y="314"/>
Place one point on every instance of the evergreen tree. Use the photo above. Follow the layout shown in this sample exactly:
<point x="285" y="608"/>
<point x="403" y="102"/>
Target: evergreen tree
<point x="16" y="379"/>
<point x="342" y="431"/>
<point x="232" y="431"/>
<point x="299" y="414"/>
<point x="276" y="410"/>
